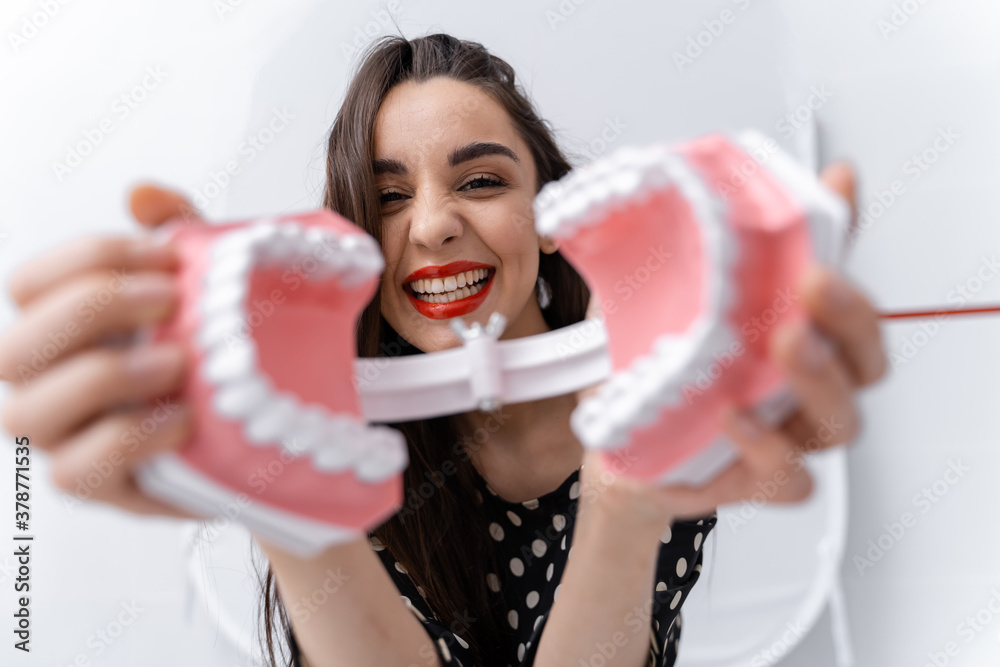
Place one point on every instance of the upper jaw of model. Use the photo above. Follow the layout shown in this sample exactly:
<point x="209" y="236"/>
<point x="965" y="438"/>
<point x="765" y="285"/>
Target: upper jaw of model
<point x="242" y="392"/>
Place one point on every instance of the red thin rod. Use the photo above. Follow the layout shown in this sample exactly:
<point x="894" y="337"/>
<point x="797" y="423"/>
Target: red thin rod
<point x="936" y="313"/>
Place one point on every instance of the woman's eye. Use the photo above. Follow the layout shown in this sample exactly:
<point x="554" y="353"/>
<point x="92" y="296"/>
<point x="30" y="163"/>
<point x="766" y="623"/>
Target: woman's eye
<point x="482" y="182"/>
<point x="389" y="197"/>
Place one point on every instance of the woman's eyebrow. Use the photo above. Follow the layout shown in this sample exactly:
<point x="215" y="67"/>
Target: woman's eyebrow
<point x="459" y="155"/>
<point x="479" y="149"/>
<point x="388" y="166"/>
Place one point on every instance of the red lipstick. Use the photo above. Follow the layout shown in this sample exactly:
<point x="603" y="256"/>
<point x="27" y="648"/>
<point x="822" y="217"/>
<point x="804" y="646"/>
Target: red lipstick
<point x="443" y="311"/>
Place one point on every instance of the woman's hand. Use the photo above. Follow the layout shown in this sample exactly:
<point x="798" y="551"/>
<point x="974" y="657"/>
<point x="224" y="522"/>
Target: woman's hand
<point x="96" y="409"/>
<point x="823" y="375"/>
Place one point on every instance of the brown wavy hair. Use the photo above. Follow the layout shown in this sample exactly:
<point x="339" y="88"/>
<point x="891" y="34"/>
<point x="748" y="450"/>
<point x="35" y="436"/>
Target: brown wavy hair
<point x="453" y="579"/>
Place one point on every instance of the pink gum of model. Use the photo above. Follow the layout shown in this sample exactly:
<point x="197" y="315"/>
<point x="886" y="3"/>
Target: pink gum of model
<point x="306" y="346"/>
<point x="773" y="242"/>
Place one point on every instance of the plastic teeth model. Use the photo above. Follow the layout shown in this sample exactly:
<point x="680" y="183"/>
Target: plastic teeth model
<point x="695" y="252"/>
<point x="279" y="435"/>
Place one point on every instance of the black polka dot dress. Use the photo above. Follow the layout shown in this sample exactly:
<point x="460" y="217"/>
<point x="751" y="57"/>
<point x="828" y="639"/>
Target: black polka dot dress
<point x="532" y="540"/>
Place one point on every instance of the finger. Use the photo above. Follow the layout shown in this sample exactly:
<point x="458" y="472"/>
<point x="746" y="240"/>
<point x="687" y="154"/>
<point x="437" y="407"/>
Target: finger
<point x="848" y="317"/>
<point x="70" y="394"/>
<point x="767" y="469"/>
<point x="100" y="254"/>
<point x="840" y="177"/>
<point x="96" y="462"/>
<point x="821" y="384"/>
<point x="151" y="205"/>
<point x="82" y="313"/>
<point x="771" y="464"/>
<point x="807" y="436"/>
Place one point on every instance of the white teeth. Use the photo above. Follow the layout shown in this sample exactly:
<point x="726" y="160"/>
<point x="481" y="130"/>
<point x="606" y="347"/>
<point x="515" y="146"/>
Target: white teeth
<point x="448" y="297"/>
<point x="242" y="399"/>
<point x="242" y="392"/>
<point x="391" y="457"/>
<point x="272" y="420"/>
<point x="341" y="447"/>
<point x="308" y="432"/>
<point x="286" y="240"/>
<point x="451" y="288"/>
<point x="219" y="329"/>
<point x="564" y="205"/>
<point x="226" y="365"/>
<point x="448" y="284"/>
<point x="225" y="297"/>
<point x="233" y="268"/>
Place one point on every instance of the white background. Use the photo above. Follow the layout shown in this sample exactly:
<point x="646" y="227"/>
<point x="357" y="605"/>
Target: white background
<point x="607" y="61"/>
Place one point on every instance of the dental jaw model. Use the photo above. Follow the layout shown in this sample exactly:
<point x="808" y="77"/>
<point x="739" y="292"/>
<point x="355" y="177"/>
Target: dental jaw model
<point x="714" y="256"/>
<point x="268" y="318"/>
<point x="270" y="307"/>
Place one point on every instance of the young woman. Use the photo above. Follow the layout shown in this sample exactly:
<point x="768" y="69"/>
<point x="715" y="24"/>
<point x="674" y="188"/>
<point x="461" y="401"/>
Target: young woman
<point x="525" y="550"/>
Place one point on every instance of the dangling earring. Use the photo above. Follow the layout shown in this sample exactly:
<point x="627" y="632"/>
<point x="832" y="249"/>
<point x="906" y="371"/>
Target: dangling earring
<point x="544" y="293"/>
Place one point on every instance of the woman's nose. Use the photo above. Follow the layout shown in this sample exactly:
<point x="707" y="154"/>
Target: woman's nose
<point x="434" y="223"/>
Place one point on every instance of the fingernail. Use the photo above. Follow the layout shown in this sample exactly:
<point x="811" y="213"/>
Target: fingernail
<point x="152" y="288"/>
<point x="150" y="360"/>
<point x="815" y="352"/>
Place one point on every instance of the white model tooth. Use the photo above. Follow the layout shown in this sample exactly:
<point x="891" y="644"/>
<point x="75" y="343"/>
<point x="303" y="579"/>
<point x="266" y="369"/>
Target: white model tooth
<point x="350" y="243"/>
<point x="317" y="236"/>
<point x="450" y="284"/>
<point x="422" y="286"/>
<point x="332" y="457"/>
<point x="437" y="285"/>
<point x="574" y="206"/>
<point x="241" y="398"/>
<point x="228" y="296"/>
<point x="225" y="365"/>
<point x="341" y="446"/>
<point x="460" y="279"/>
<point x="262" y="231"/>
<point x="272" y="420"/>
<point x="286" y="241"/>
<point x="231" y="268"/>
<point x="384" y="455"/>
<point x="588" y="426"/>
<point x="625" y="183"/>
<point x="307" y="431"/>
<point x="372" y="261"/>
<point x="600" y="191"/>
<point x="334" y="262"/>
<point x="464" y="293"/>
<point x="225" y="326"/>
<point x="235" y="243"/>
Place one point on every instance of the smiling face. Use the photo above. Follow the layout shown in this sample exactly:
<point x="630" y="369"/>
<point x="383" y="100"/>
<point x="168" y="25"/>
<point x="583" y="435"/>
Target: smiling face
<point x="455" y="183"/>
